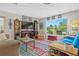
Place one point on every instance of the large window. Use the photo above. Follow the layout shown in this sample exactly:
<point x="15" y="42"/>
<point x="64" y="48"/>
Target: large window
<point x="75" y="26"/>
<point x="57" y="26"/>
<point x="1" y="24"/>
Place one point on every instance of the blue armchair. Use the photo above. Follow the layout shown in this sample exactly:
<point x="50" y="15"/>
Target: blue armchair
<point x="73" y="41"/>
<point x="76" y="41"/>
<point x="68" y="39"/>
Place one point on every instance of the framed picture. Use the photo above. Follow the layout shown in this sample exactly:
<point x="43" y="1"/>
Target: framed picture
<point x="53" y="17"/>
<point x="10" y="24"/>
<point x="24" y="17"/>
<point x="41" y="25"/>
<point x="30" y="18"/>
<point x="59" y="16"/>
<point x="48" y="18"/>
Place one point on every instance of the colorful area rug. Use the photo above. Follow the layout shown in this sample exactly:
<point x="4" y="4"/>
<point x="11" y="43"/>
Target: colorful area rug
<point x="37" y="51"/>
<point x="46" y="42"/>
<point x="31" y="51"/>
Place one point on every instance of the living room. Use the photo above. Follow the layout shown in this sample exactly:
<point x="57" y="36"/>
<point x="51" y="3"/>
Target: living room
<point x="25" y="30"/>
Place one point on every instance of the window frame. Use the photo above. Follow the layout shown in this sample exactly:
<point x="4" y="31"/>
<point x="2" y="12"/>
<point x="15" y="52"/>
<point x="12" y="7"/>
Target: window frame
<point x="4" y="22"/>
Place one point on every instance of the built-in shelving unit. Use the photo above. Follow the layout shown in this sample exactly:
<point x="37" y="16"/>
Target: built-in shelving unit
<point x="27" y="28"/>
<point x="23" y="28"/>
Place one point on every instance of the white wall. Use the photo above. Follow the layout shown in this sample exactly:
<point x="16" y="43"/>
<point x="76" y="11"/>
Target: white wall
<point x="42" y="31"/>
<point x="12" y="17"/>
<point x="7" y="17"/>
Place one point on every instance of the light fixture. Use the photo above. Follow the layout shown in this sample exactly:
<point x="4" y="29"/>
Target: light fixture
<point x="15" y="3"/>
<point x="46" y="3"/>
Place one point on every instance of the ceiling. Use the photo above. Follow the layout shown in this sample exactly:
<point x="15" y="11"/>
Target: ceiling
<point x="38" y="10"/>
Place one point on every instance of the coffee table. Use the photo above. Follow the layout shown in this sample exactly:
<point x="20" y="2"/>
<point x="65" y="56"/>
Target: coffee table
<point x="59" y="49"/>
<point x="26" y="40"/>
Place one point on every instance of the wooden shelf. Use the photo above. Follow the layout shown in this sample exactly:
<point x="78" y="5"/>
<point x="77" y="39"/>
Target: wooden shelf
<point x="52" y="54"/>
